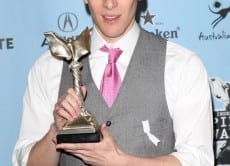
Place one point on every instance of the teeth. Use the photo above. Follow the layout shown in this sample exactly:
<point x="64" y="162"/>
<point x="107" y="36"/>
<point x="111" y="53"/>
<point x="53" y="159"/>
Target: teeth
<point x="110" y="17"/>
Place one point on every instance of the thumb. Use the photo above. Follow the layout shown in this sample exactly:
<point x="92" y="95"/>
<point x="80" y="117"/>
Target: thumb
<point x="104" y="130"/>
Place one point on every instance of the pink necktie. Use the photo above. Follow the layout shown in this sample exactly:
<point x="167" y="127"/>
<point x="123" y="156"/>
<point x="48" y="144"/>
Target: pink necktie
<point x="111" y="80"/>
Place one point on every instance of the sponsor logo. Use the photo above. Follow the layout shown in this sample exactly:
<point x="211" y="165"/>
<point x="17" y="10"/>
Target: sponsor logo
<point x="148" y="18"/>
<point x="221" y="93"/>
<point x="167" y="34"/>
<point x="214" y="35"/>
<point x="6" y="43"/>
<point x="220" y="11"/>
<point x="67" y="22"/>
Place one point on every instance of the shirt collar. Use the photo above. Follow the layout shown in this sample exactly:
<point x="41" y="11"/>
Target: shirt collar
<point x="97" y="41"/>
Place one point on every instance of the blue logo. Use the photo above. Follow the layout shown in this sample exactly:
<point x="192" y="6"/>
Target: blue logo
<point x="220" y="11"/>
<point x="67" y="22"/>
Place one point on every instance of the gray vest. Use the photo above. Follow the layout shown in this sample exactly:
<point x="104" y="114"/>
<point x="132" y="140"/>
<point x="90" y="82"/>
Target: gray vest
<point x="141" y="97"/>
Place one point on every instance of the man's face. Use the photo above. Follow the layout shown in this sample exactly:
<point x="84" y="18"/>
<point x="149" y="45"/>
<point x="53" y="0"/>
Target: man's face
<point x="112" y="18"/>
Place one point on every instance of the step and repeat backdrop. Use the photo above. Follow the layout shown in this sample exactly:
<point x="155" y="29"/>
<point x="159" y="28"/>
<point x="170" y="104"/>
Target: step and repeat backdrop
<point x="202" y="26"/>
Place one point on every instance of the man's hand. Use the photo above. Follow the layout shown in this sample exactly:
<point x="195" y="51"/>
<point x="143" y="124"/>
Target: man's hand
<point x="103" y="153"/>
<point x="67" y="108"/>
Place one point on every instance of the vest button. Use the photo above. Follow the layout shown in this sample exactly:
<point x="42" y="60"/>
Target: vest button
<point x="108" y="123"/>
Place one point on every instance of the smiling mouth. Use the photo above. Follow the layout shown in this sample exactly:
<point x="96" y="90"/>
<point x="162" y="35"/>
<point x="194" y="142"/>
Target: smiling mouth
<point x="111" y="18"/>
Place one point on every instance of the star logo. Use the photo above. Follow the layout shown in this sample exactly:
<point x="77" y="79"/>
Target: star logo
<point x="148" y="18"/>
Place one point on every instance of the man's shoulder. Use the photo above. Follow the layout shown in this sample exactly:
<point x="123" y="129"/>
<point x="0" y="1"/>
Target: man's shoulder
<point x="180" y="57"/>
<point x="46" y="58"/>
<point x="173" y="49"/>
<point x="46" y="64"/>
<point x="176" y="49"/>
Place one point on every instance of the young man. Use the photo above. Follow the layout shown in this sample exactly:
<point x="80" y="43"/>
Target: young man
<point x="161" y="115"/>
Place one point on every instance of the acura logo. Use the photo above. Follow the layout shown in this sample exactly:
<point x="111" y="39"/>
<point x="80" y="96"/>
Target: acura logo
<point x="67" y="22"/>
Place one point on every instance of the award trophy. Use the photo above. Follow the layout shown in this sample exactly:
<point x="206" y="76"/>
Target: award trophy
<point x="85" y="128"/>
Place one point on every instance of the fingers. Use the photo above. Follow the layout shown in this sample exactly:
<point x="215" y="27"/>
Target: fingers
<point x="71" y="147"/>
<point x="73" y="99"/>
<point x="85" y="151"/>
<point x="68" y="107"/>
<point x="94" y="153"/>
<point x="69" y="104"/>
<point x="62" y="112"/>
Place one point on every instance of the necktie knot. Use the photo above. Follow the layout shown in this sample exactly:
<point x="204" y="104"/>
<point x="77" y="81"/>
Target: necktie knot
<point x="113" y="53"/>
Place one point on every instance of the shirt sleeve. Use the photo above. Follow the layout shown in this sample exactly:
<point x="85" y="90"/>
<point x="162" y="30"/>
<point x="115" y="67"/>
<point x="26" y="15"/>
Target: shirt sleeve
<point x="192" y="113"/>
<point x="36" y="116"/>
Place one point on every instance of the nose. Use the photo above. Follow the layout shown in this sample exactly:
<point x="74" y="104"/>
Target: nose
<point x="110" y="4"/>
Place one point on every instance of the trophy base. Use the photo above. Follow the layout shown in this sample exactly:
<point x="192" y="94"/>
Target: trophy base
<point x="78" y="138"/>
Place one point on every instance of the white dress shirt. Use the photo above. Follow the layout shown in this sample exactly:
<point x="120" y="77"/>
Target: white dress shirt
<point x="186" y="88"/>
